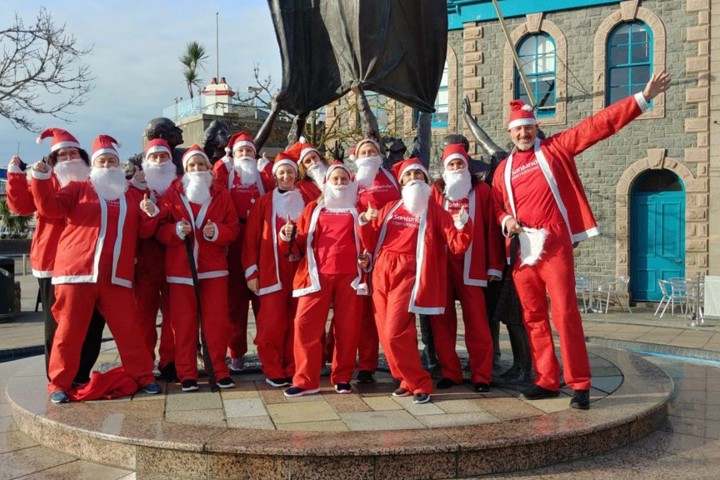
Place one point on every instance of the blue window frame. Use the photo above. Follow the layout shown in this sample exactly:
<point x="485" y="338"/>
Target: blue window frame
<point x="440" y="117"/>
<point x="379" y="107"/>
<point x="539" y="63"/>
<point x="629" y="60"/>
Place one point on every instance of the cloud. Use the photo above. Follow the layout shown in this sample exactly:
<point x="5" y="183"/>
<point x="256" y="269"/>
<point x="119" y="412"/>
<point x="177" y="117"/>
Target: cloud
<point x="136" y="45"/>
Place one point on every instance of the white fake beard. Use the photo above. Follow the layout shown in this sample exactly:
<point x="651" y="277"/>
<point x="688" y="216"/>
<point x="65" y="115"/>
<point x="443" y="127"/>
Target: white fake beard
<point x="367" y="169"/>
<point x="197" y="186"/>
<point x="415" y="196"/>
<point x="159" y="176"/>
<point x="317" y="173"/>
<point x="457" y="183"/>
<point x="340" y="196"/>
<point x="246" y="167"/>
<point x="288" y="204"/>
<point x="109" y="183"/>
<point x="71" y="170"/>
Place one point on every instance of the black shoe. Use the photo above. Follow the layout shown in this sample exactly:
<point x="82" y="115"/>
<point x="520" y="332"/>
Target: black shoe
<point x="537" y="392"/>
<point x="343" y="388"/>
<point x="168" y="372"/>
<point x="482" y="387"/>
<point x="421" y="398"/>
<point x="279" y="382"/>
<point x="189" y="386"/>
<point x="401" y="392"/>
<point x="580" y="399"/>
<point x="445" y="383"/>
<point x="365" y="376"/>
<point x="226" y="382"/>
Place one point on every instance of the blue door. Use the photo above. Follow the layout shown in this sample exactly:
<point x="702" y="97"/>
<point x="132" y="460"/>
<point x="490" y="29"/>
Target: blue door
<point x="657" y="233"/>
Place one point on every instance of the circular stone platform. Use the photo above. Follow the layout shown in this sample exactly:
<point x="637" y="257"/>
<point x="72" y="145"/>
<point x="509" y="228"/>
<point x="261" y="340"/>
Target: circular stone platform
<point x="254" y="432"/>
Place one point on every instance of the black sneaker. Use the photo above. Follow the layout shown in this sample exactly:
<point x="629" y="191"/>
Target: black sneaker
<point x="343" y="388"/>
<point x="168" y="372"/>
<point x="537" y="392"/>
<point x="278" y="382"/>
<point x="421" y="398"/>
<point x="580" y="399"/>
<point x="401" y="392"/>
<point x="299" y="392"/>
<point x="445" y="383"/>
<point x="482" y="387"/>
<point x="226" y="382"/>
<point x="365" y="376"/>
<point x="189" y="386"/>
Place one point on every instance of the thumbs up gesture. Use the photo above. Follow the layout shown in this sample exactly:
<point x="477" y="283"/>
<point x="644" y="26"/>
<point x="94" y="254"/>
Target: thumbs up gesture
<point x="462" y="216"/>
<point x="183" y="228"/>
<point x="138" y="174"/>
<point x="288" y="228"/>
<point x="147" y="205"/>
<point x="364" y="259"/>
<point x="370" y="214"/>
<point x="210" y="229"/>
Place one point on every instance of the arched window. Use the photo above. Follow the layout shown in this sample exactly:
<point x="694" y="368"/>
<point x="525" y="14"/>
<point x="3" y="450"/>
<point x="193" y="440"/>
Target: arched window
<point x="440" y="117"/>
<point x="629" y="60"/>
<point x="538" y="60"/>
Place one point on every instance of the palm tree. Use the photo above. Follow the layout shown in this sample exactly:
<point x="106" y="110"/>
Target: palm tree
<point x="193" y="57"/>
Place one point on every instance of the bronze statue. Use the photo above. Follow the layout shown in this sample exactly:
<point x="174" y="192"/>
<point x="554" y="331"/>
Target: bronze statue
<point x="215" y="140"/>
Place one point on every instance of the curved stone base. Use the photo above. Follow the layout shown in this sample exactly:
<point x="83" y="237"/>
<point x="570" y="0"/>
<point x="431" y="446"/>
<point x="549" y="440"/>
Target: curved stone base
<point x="496" y="432"/>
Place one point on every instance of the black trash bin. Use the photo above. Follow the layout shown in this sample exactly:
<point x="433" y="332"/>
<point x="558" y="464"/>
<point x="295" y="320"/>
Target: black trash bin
<point x="7" y="288"/>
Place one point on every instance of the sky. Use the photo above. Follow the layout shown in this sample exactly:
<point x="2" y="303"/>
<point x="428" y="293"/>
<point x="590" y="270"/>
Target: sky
<point x="134" y="59"/>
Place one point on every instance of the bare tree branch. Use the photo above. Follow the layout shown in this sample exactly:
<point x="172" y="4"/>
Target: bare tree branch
<point x="41" y="71"/>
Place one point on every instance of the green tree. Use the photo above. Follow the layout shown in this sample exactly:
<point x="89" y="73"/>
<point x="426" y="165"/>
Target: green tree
<point x="41" y="71"/>
<point x="193" y="57"/>
<point x="14" y="226"/>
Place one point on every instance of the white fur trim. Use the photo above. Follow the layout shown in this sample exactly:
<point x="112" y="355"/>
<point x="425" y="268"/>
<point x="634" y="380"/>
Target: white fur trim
<point x="454" y="156"/>
<point x="522" y="121"/>
<point x="532" y="241"/>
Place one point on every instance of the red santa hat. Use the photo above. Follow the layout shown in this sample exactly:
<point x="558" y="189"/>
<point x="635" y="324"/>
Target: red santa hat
<point x="157" y="145"/>
<point x="239" y="140"/>
<point x="303" y="147"/>
<point x="284" y="158"/>
<point x="60" y="139"/>
<point x="400" y="168"/>
<point x="364" y="141"/>
<point x="351" y="154"/>
<point x="195" y="150"/>
<point x="104" y="144"/>
<point x="454" y="151"/>
<point x="520" y="114"/>
<point x="334" y="166"/>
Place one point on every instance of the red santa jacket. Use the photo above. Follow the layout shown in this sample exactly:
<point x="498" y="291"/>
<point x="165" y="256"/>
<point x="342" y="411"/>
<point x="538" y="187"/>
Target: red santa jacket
<point x="384" y="189"/>
<point x="209" y="253"/>
<point x="47" y="230"/>
<point x="555" y="156"/>
<point x="224" y="172"/>
<point x="82" y="240"/>
<point x="307" y="277"/>
<point x="436" y="232"/>
<point x="486" y="254"/>
<point x="308" y="189"/>
<point x="151" y="253"/>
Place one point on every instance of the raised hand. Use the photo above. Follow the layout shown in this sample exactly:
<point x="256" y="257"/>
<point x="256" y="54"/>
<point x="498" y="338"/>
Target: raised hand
<point x="371" y="213"/>
<point x="41" y="166"/>
<point x="147" y="205"/>
<point x="288" y="228"/>
<point x="658" y="83"/>
<point x="184" y="227"/>
<point x="461" y="216"/>
<point x="209" y="229"/>
<point x="138" y="174"/>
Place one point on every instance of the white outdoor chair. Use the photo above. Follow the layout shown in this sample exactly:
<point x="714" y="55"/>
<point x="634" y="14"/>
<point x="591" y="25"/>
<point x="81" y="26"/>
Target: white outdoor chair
<point x="617" y="292"/>
<point x="674" y="291"/>
<point x="584" y="291"/>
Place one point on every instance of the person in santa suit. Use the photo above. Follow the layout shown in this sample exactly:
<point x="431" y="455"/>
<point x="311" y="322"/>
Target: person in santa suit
<point x="377" y="186"/>
<point x="95" y="262"/>
<point x="468" y="274"/>
<point x="538" y="196"/>
<point x="70" y="163"/>
<point x="151" y="288"/>
<point x="269" y="272"/>
<point x="409" y="239"/>
<point x="240" y="176"/>
<point x="195" y="207"/>
<point x="312" y="169"/>
<point x="330" y="272"/>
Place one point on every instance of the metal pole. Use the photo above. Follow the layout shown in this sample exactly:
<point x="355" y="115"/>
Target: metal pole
<point x="515" y="55"/>
<point x="217" y="45"/>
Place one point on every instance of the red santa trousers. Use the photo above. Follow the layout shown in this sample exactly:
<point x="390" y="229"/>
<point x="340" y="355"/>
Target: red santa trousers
<point x="275" y="329"/>
<point x="393" y="279"/>
<point x="73" y="308"/>
<point x="477" y="329"/>
<point x="151" y="291"/>
<point x="554" y="273"/>
<point x="310" y="320"/>
<point x="213" y="302"/>
<point x="368" y="343"/>
<point x="239" y="299"/>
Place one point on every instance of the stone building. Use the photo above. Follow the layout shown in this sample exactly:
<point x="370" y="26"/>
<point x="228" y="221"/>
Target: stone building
<point x="650" y="185"/>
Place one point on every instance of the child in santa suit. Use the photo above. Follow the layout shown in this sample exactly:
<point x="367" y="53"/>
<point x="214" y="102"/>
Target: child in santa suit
<point x="269" y="272"/>
<point x="468" y="273"/>
<point x="69" y="162"/>
<point x="195" y="208"/>
<point x="409" y="239"/>
<point x="94" y="265"/>
<point x="151" y="287"/>
<point x="329" y="273"/>
<point x="239" y="174"/>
